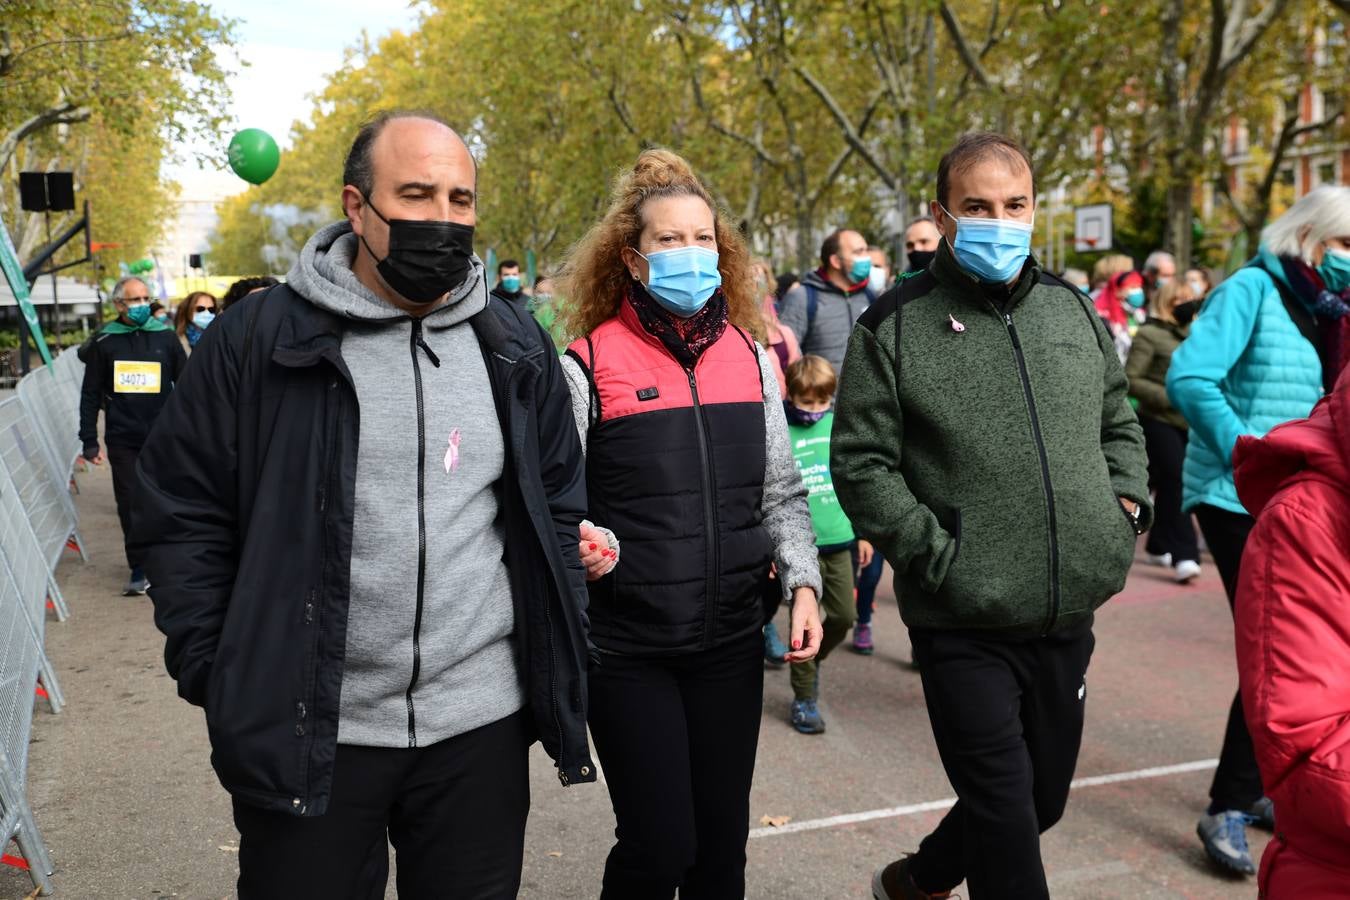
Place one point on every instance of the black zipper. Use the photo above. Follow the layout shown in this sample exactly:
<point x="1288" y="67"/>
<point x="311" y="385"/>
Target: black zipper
<point x="1053" y="616"/>
<point x="711" y="544"/>
<point x="415" y="341"/>
<point x="313" y="611"/>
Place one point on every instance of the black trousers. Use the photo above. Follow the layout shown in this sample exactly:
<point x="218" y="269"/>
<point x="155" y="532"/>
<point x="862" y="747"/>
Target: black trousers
<point x="455" y="813"/>
<point x="1008" y="720"/>
<point x="1237" y="780"/>
<point x="122" y="462"/>
<point x="676" y="737"/>
<point x="1172" y="530"/>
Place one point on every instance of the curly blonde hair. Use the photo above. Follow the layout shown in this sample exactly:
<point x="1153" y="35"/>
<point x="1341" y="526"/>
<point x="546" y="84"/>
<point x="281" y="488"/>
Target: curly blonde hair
<point x="595" y="275"/>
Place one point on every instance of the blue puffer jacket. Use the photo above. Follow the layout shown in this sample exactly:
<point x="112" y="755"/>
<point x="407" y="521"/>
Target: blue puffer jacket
<point x="1244" y="369"/>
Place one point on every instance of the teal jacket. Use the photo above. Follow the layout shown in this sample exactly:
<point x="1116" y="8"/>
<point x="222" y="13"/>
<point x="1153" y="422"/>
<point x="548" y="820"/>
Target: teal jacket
<point x="1245" y="368"/>
<point x="982" y="446"/>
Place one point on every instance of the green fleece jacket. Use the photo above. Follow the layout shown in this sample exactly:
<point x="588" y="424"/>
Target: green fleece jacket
<point x="982" y="443"/>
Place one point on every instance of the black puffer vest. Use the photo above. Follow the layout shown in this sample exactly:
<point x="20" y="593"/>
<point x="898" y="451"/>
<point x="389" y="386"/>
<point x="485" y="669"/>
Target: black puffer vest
<point x="675" y="466"/>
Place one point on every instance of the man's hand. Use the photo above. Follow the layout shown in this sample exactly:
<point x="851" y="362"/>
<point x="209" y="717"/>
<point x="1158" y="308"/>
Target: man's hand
<point x="97" y="457"/>
<point x="806" y="630"/>
<point x="595" y="552"/>
<point x="865" y="552"/>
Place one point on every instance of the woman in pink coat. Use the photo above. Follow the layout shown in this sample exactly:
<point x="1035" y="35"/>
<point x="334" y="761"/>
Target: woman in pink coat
<point x="781" y="343"/>
<point x="1293" y="643"/>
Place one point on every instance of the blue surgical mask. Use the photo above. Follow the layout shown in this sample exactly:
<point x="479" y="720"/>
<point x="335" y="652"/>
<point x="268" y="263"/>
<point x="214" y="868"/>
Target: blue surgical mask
<point x="139" y="314"/>
<point x="683" y="279"/>
<point x="861" y="268"/>
<point x="993" y="250"/>
<point x="1135" y="297"/>
<point x="511" y="283"/>
<point x="1335" y="270"/>
<point x="203" y="319"/>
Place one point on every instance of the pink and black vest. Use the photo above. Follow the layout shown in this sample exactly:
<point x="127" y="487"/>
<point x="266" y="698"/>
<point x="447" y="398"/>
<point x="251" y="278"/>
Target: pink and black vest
<point x="675" y="466"/>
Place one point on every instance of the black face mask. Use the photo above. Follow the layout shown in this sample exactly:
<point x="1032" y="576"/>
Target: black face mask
<point x="1184" y="313"/>
<point x="919" y="259"/>
<point x="426" y="260"/>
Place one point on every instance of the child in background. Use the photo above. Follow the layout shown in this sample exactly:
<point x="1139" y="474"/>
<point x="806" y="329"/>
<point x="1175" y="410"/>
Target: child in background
<point x="811" y="384"/>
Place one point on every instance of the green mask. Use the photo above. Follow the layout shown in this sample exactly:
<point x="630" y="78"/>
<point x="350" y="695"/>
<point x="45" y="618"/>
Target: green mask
<point x="1335" y="270"/>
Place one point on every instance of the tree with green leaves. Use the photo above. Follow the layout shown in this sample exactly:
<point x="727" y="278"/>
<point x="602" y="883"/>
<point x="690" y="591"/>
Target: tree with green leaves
<point x="107" y="89"/>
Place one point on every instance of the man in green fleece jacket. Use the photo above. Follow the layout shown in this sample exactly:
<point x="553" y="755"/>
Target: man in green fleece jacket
<point x="983" y="441"/>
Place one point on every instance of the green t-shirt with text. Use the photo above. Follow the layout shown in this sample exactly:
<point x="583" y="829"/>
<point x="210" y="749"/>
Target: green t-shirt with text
<point x="811" y="450"/>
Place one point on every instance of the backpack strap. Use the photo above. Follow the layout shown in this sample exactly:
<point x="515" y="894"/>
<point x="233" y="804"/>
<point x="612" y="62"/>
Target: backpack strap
<point x="905" y="290"/>
<point x="586" y="367"/>
<point x="812" y="301"/>
<point x="1304" y="321"/>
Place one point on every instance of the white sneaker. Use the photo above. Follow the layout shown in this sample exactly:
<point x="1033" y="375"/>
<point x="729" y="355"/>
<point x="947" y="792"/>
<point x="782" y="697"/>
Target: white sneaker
<point x="1156" y="559"/>
<point x="1187" y="571"/>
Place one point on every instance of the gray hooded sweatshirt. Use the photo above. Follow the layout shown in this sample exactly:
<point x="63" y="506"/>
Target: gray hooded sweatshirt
<point x="427" y="657"/>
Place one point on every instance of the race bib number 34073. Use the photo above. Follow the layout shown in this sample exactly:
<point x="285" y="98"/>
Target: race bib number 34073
<point x="135" y="377"/>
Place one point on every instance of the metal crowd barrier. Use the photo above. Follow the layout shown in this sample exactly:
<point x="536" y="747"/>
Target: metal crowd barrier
<point x="50" y="395"/>
<point x="39" y="445"/>
<point x="51" y="512"/>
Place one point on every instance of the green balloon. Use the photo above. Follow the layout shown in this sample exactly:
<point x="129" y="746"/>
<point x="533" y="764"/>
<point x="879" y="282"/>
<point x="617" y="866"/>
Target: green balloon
<point x="254" y="156"/>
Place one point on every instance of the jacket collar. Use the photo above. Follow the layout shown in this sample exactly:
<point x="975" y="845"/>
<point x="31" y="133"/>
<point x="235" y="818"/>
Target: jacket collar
<point x="306" y="334"/>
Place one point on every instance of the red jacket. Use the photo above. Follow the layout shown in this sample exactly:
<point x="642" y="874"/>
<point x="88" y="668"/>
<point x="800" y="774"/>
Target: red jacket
<point x="1293" y="643"/>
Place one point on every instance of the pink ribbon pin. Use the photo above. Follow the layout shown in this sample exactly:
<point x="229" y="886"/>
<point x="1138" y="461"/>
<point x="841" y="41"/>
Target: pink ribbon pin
<point x="452" y="453"/>
<point x="956" y="326"/>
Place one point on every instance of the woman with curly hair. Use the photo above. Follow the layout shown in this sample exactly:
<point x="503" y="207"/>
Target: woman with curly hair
<point x="688" y="464"/>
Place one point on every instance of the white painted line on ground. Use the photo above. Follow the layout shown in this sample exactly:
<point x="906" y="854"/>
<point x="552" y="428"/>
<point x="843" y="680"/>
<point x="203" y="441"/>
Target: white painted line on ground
<point x="894" y="812"/>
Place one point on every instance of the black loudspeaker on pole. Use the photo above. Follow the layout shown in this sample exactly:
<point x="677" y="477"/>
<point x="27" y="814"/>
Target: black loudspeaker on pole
<point x="61" y="191"/>
<point x="33" y="191"/>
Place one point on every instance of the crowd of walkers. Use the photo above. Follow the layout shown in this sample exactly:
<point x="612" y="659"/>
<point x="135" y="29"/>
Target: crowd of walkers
<point x="398" y="523"/>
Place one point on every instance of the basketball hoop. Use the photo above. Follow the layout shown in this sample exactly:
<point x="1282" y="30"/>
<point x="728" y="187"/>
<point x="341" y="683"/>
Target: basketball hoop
<point x="1092" y="231"/>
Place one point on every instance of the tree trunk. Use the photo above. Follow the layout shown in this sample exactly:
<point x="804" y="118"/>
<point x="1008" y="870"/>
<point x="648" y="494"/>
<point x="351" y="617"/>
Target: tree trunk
<point x="805" y="252"/>
<point x="1180" y="214"/>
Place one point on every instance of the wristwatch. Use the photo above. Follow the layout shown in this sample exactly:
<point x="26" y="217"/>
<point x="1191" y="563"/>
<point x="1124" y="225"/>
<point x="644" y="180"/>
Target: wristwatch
<point x="1136" y="517"/>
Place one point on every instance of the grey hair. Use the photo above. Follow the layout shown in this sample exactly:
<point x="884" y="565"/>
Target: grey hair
<point x="1156" y="257"/>
<point x="120" y="289"/>
<point x="1324" y="212"/>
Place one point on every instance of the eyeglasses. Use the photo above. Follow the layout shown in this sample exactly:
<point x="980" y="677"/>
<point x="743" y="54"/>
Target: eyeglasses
<point x="132" y="301"/>
<point x="205" y="309"/>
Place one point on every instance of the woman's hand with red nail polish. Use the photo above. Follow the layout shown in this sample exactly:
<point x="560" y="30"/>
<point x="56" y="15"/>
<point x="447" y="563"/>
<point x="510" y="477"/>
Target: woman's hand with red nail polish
<point x="596" y="554"/>
<point x="806" y="628"/>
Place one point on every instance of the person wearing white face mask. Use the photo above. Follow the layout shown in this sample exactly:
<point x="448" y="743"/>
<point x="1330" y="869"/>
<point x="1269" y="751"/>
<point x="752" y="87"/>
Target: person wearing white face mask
<point x="983" y="442"/>
<point x="879" y="276"/>
<point x="688" y="461"/>
<point x="1267" y="343"/>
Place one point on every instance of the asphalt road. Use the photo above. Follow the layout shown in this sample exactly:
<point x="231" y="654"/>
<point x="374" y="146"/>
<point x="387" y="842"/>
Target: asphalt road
<point x="123" y="792"/>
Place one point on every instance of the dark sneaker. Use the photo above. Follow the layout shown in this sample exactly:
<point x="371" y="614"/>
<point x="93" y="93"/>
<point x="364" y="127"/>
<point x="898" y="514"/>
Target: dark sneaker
<point x="1224" y="835"/>
<point x="775" y="651"/>
<point x="862" y="639"/>
<point x="1262" y="814"/>
<point x="893" y="882"/>
<point x="806" y="717"/>
<point x="137" y="584"/>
